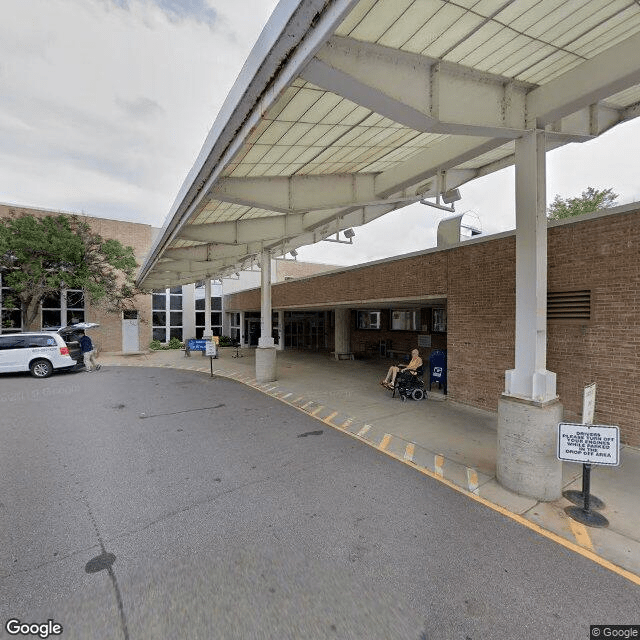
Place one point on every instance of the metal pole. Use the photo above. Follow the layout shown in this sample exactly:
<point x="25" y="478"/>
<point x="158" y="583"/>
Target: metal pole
<point x="586" y="485"/>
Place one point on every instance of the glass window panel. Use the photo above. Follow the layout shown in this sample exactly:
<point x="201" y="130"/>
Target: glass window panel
<point x="216" y="331"/>
<point x="130" y="314"/>
<point x="75" y="299"/>
<point x="158" y="291"/>
<point x="175" y="318"/>
<point x="50" y="318"/>
<point x="199" y="318"/>
<point x="177" y="290"/>
<point x="199" y="333"/>
<point x="175" y="333"/>
<point x="200" y="304"/>
<point x="403" y="320"/>
<point x="159" y="301"/>
<point x="216" y="304"/>
<point x="51" y="301"/>
<point x="160" y="334"/>
<point x="74" y="316"/>
<point x="11" y="319"/>
<point x="175" y="302"/>
<point x="368" y="319"/>
<point x="159" y="318"/>
<point x="216" y="318"/>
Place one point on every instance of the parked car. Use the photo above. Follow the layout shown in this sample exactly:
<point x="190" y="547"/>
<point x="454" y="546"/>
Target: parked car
<point x="39" y="352"/>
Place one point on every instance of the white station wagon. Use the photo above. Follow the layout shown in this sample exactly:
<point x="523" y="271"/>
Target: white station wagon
<point x="39" y="352"/>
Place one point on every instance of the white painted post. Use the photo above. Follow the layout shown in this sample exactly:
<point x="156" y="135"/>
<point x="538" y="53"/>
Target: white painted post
<point x="280" y="345"/>
<point x="530" y="378"/>
<point x="529" y="410"/>
<point x="207" y="309"/>
<point x="341" y="332"/>
<point x="266" y="351"/>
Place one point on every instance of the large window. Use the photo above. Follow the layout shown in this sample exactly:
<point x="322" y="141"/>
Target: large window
<point x="369" y="319"/>
<point x="167" y="314"/>
<point x="234" y="326"/>
<point x="10" y="314"/>
<point x="216" y="309"/>
<point x="404" y="320"/>
<point x="58" y="309"/>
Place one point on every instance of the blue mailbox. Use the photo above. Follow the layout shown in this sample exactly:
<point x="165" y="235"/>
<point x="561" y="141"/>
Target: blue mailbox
<point x="438" y="368"/>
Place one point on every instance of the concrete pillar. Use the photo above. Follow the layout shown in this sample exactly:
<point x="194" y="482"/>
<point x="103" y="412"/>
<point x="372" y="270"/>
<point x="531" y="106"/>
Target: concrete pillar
<point x="242" y="335"/>
<point x="280" y="345"/>
<point x="342" y="335"/>
<point x="266" y="350"/>
<point x="207" y="309"/>
<point x="529" y="410"/>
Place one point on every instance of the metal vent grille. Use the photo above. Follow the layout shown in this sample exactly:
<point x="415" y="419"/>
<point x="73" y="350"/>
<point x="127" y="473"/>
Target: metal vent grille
<point x="569" y="305"/>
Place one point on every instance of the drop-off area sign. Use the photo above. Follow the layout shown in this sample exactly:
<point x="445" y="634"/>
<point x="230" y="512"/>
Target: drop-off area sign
<point x="589" y="443"/>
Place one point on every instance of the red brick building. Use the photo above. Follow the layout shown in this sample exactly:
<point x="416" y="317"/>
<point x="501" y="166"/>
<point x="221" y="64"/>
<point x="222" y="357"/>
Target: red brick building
<point x="593" y="312"/>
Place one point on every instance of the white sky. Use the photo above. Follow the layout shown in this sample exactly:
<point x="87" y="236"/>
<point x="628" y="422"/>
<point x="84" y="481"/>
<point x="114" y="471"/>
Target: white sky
<point x="105" y="104"/>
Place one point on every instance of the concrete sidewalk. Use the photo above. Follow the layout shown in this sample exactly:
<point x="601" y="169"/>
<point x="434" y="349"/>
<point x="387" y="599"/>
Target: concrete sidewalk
<point x="453" y="443"/>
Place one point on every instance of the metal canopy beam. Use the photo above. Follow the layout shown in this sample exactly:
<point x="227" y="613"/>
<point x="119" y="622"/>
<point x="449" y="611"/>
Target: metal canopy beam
<point x="422" y="93"/>
<point x="593" y="80"/>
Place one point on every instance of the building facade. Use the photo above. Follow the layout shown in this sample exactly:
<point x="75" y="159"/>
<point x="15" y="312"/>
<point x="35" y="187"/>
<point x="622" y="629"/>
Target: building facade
<point x="462" y="300"/>
<point x="118" y="332"/>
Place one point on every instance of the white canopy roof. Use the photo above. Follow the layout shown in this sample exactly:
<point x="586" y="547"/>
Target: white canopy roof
<point x="348" y="109"/>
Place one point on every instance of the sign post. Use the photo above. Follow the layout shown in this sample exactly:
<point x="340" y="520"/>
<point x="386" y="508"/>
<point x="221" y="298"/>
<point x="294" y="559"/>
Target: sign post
<point x="589" y="444"/>
<point x="211" y="350"/>
<point x="588" y="414"/>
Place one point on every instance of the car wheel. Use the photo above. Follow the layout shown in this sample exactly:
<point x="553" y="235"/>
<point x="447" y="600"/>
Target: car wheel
<point x="41" y="368"/>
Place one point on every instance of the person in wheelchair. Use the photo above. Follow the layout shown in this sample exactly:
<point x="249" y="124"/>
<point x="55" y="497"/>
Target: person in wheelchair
<point x="410" y="369"/>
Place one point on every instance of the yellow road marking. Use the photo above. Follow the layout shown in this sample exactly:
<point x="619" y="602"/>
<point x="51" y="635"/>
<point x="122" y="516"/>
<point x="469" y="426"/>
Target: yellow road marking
<point x="327" y="420"/>
<point x="409" y="452"/>
<point x="581" y="534"/>
<point x="347" y="423"/>
<point x="438" y="464"/>
<point x="472" y="480"/>
<point x="385" y="442"/>
<point x="363" y="431"/>
<point x="317" y="410"/>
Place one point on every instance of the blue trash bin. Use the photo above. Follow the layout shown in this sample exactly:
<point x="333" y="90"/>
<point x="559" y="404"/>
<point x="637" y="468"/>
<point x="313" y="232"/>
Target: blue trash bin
<point x="438" y="369"/>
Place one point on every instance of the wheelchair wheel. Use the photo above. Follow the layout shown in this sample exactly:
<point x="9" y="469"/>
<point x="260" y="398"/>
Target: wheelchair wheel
<point x="417" y="394"/>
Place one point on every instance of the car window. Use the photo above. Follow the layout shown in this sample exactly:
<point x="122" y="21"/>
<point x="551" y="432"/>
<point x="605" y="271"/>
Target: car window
<point x="42" y="341"/>
<point x="13" y="342"/>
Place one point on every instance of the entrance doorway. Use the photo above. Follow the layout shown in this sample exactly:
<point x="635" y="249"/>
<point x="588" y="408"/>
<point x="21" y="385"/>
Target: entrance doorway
<point x="130" y="335"/>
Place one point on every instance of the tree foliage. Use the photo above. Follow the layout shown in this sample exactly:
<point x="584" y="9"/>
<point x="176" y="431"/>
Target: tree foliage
<point x="40" y="256"/>
<point x="589" y="200"/>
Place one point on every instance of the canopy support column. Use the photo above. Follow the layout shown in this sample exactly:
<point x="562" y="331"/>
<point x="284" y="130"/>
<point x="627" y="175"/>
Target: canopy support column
<point x="266" y="350"/>
<point x="207" y="309"/>
<point x="529" y="410"/>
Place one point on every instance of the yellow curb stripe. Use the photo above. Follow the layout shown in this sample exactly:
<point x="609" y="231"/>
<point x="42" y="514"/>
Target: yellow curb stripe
<point x="438" y="466"/>
<point x="385" y="442"/>
<point x="363" y="431"/>
<point x="568" y="544"/>
<point x="317" y="410"/>
<point x="328" y="419"/>
<point x="347" y="423"/>
<point x="409" y="452"/>
<point x="581" y="534"/>
<point x="472" y="480"/>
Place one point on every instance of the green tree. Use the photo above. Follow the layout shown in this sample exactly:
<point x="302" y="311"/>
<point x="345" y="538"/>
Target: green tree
<point x="40" y="256"/>
<point x="588" y="201"/>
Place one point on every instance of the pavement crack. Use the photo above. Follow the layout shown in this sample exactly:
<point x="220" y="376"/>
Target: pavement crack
<point x="144" y="416"/>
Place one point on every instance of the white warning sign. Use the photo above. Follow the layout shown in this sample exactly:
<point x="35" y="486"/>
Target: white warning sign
<point x="589" y="443"/>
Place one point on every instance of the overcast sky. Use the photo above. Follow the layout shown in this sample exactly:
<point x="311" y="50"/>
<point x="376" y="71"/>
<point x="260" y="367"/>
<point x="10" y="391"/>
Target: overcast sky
<point x="105" y="104"/>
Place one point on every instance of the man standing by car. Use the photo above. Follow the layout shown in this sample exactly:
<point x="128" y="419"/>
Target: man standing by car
<point x="88" y="352"/>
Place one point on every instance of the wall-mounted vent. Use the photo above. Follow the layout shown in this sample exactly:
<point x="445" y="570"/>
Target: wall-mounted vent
<point x="574" y="306"/>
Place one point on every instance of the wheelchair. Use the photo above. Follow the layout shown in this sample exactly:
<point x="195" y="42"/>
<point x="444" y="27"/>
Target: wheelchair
<point x="409" y="385"/>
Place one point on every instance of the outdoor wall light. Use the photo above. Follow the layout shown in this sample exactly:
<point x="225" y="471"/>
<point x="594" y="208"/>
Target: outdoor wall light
<point x="294" y="253"/>
<point x="453" y="195"/>
<point x="349" y="233"/>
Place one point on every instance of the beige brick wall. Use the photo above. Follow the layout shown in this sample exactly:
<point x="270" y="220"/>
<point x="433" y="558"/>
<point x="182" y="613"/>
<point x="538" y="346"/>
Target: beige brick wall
<point x="108" y="337"/>
<point x="600" y="253"/>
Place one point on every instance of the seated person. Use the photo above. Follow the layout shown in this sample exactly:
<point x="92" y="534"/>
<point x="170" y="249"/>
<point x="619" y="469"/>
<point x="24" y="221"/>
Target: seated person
<point x="413" y="366"/>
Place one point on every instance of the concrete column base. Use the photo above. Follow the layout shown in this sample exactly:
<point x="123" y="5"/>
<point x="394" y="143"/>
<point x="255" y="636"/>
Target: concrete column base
<point x="266" y="364"/>
<point x="527" y="460"/>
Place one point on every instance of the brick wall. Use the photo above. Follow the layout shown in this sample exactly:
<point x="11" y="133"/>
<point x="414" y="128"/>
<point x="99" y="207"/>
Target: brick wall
<point x="108" y="337"/>
<point x="596" y="252"/>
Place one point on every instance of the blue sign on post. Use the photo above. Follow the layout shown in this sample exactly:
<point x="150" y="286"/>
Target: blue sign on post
<point x="198" y="345"/>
